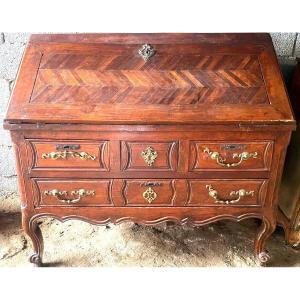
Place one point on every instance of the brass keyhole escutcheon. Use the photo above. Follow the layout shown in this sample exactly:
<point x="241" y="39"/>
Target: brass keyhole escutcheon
<point x="149" y="155"/>
<point x="149" y="195"/>
<point x="146" y="51"/>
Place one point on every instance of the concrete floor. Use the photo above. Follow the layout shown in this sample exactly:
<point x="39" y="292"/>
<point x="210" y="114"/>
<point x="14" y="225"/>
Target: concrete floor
<point x="76" y="243"/>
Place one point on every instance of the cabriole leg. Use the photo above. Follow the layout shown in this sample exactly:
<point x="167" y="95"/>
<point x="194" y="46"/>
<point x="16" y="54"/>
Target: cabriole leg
<point x="266" y="229"/>
<point x="32" y="229"/>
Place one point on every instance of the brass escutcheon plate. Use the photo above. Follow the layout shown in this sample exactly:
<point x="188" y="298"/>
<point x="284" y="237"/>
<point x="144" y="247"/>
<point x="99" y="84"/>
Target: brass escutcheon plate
<point x="149" y="195"/>
<point x="149" y="155"/>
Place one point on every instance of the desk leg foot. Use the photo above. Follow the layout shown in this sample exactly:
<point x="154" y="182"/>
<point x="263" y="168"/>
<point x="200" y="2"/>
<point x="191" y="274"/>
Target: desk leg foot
<point x="263" y="257"/>
<point x="36" y="260"/>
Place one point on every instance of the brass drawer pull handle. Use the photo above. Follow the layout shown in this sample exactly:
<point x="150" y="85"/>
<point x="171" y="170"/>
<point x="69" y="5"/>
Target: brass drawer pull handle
<point x="146" y="52"/>
<point x="149" y="155"/>
<point x="149" y="195"/>
<point x="59" y="194"/>
<point x="65" y="154"/>
<point x="222" y="161"/>
<point x="240" y="193"/>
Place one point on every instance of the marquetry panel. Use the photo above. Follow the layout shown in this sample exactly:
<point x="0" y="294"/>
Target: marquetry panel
<point x="166" y="79"/>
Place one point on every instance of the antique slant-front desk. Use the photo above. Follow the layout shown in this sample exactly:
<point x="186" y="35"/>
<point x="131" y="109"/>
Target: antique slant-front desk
<point x="191" y="128"/>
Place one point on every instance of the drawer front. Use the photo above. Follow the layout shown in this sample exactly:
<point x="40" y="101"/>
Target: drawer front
<point x="148" y="192"/>
<point x="149" y="156"/>
<point x="73" y="192"/>
<point x="226" y="192"/>
<point x="70" y="154"/>
<point x="230" y="155"/>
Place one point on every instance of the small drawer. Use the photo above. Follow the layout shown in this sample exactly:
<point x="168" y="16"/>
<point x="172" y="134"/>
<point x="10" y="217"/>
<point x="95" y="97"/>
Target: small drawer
<point x="148" y="192"/>
<point x="149" y="156"/>
<point x="226" y="192"/>
<point x="230" y="155"/>
<point x="73" y="192"/>
<point x="70" y="154"/>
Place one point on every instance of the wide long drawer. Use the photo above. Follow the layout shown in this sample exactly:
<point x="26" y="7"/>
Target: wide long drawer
<point x="148" y="153"/>
<point x="149" y="192"/>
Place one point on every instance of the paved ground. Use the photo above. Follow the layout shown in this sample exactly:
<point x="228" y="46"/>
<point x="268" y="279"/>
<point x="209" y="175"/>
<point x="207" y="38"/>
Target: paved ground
<point x="76" y="243"/>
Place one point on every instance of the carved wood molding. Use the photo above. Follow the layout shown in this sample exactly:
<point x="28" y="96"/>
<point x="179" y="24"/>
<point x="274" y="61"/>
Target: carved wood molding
<point x="150" y="222"/>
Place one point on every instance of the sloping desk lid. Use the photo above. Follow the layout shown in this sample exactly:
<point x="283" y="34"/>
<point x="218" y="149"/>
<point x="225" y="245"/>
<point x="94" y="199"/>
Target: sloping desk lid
<point x="190" y="79"/>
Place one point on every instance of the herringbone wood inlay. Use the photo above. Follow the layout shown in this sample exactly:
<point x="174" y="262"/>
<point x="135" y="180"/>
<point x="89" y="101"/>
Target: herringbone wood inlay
<point x="164" y="79"/>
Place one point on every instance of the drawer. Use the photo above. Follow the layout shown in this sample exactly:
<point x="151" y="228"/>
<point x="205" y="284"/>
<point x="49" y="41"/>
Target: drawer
<point x="229" y="155"/>
<point x="226" y="192"/>
<point x="150" y="192"/>
<point x="73" y="192"/>
<point x="149" y="155"/>
<point x="70" y="154"/>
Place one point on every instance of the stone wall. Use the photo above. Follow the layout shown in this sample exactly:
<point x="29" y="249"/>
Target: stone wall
<point x="287" y="47"/>
<point x="11" y="48"/>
